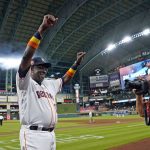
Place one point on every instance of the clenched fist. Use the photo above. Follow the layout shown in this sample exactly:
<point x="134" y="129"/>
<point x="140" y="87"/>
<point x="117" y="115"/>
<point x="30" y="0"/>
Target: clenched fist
<point x="48" y="21"/>
<point x="80" y="56"/>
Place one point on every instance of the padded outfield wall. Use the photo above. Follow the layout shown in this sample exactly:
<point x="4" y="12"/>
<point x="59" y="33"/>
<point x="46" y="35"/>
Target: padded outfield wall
<point x="66" y="108"/>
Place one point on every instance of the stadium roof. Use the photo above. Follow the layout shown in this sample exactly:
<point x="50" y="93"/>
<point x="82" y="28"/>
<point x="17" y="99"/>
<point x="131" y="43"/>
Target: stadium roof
<point x="88" y="25"/>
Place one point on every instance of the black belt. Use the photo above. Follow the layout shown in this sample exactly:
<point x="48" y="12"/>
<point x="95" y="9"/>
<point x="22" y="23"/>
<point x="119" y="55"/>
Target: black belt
<point x="41" y="128"/>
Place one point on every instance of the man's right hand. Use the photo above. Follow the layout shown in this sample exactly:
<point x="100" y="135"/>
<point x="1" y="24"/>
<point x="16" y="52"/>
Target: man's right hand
<point x="48" y="21"/>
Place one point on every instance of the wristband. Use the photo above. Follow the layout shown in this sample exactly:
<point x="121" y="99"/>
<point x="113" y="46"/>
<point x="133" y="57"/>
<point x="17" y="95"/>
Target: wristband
<point x="35" y="40"/>
<point x="71" y="72"/>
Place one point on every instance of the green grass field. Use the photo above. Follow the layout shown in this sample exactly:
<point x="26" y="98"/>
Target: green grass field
<point x="73" y="135"/>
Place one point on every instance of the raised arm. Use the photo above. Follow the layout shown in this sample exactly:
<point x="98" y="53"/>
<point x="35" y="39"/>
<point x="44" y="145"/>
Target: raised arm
<point x="48" y="21"/>
<point x="70" y="73"/>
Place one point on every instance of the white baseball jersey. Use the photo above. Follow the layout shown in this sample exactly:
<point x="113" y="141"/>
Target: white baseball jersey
<point x="37" y="104"/>
<point x="90" y="114"/>
<point x="1" y="117"/>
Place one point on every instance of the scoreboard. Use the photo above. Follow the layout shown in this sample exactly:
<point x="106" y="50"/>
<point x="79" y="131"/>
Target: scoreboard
<point x="99" y="81"/>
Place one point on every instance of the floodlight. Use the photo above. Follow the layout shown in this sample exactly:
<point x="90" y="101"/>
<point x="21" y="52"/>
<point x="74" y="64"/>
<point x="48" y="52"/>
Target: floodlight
<point x="126" y="39"/>
<point x="9" y="63"/>
<point x="110" y="47"/>
<point x="146" y="32"/>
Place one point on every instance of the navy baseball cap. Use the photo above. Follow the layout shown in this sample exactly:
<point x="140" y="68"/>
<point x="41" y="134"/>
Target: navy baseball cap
<point x="40" y="61"/>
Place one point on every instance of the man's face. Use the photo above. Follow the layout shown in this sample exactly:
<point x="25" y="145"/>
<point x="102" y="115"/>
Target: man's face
<point x="38" y="73"/>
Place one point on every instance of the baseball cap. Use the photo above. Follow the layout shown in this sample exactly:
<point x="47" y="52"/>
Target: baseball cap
<point x="39" y="61"/>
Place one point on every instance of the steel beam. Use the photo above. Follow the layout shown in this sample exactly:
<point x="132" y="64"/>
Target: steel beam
<point x="6" y="12"/>
<point x="64" y="14"/>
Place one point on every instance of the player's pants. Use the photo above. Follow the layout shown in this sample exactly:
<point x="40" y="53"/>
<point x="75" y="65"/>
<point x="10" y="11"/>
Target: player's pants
<point x="37" y="140"/>
<point x="1" y="122"/>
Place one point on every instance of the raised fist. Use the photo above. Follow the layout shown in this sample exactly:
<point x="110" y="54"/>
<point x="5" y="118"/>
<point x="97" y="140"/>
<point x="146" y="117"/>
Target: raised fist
<point x="80" y="56"/>
<point x="48" y="21"/>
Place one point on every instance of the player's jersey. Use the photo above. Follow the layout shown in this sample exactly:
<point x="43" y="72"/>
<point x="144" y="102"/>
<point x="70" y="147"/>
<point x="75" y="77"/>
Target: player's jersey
<point x="37" y="104"/>
<point x="90" y="114"/>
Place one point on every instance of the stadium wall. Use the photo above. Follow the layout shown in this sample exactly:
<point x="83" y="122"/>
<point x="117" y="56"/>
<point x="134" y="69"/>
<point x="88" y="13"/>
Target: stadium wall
<point x="66" y="108"/>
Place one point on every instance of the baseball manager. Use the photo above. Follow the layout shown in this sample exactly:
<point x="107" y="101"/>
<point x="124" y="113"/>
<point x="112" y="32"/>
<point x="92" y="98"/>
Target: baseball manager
<point x="36" y="94"/>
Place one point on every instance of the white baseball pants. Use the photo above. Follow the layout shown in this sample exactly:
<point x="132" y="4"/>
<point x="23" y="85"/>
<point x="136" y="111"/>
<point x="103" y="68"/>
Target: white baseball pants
<point x="37" y="140"/>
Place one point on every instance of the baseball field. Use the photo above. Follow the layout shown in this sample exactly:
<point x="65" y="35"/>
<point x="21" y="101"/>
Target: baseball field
<point x="106" y="133"/>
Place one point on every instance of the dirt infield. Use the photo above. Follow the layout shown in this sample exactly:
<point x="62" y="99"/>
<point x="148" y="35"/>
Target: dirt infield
<point x="140" y="145"/>
<point x="106" y="121"/>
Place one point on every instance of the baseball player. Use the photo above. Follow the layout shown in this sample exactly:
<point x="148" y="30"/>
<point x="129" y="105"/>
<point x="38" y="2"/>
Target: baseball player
<point x="91" y="117"/>
<point x="1" y="120"/>
<point x="36" y="94"/>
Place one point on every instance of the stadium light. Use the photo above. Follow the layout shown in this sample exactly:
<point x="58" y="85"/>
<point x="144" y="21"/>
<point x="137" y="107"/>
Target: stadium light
<point x="110" y="47"/>
<point x="146" y="32"/>
<point x="9" y="63"/>
<point x="127" y="39"/>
